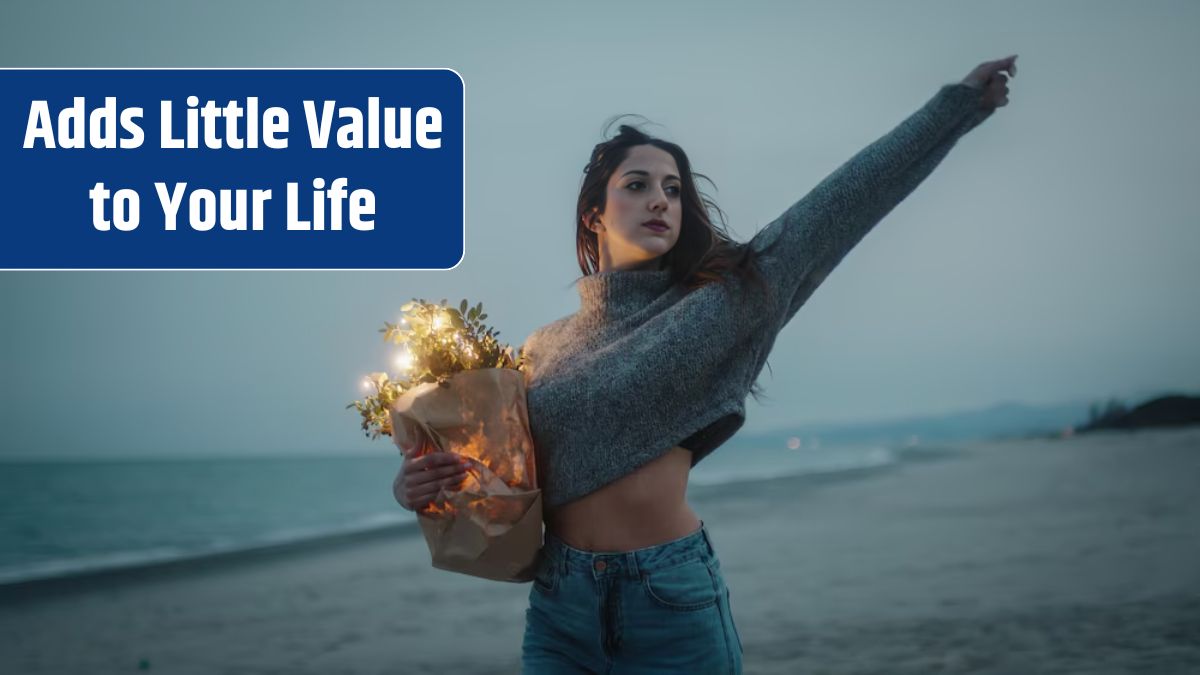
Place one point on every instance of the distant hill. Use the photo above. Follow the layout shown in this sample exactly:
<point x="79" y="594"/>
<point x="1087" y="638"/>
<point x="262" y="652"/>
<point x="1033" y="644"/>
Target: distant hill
<point x="1003" y="420"/>
<point x="1165" y="411"/>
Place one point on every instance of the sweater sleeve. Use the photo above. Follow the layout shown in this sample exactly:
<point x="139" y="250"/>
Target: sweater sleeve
<point x="802" y="246"/>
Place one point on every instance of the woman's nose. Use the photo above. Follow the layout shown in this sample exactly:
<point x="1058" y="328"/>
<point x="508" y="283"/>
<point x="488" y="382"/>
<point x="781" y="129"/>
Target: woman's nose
<point x="658" y="202"/>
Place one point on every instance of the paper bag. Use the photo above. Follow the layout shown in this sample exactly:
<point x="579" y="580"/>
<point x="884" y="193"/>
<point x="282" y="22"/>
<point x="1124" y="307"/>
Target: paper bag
<point x="491" y="526"/>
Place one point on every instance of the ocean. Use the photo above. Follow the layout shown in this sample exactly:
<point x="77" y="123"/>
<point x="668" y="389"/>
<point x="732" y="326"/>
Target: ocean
<point x="63" y="518"/>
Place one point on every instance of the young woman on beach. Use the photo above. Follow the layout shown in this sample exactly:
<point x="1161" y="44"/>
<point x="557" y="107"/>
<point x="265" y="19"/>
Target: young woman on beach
<point x="627" y="394"/>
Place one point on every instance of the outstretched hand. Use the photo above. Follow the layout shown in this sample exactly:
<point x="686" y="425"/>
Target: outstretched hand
<point x="990" y="78"/>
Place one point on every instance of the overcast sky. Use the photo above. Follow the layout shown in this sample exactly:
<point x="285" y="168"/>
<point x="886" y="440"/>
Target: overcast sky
<point x="1051" y="256"/>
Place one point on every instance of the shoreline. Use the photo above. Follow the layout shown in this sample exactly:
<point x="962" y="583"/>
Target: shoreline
<point x="25" y="590"/>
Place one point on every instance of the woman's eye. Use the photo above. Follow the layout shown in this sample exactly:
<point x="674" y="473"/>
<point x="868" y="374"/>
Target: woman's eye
<point x="639" y="185"/>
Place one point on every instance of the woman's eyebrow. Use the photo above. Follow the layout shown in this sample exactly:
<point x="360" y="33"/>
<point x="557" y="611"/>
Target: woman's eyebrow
<point x="639" y="172"/>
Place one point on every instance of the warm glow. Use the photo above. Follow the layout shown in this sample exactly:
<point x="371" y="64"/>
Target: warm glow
<point x="437" y="322"/>
<point x="404" y="361"/>
<point x="495" y="469"/>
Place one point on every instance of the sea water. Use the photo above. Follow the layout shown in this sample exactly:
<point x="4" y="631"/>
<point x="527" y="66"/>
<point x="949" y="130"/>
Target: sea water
<point x="67" y="517"/>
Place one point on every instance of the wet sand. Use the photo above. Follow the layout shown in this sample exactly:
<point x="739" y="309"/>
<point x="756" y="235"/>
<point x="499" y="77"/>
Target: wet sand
<point x="1035" y="556"/>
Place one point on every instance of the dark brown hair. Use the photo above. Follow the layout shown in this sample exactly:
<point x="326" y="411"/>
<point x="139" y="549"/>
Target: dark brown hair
<point x="704" y="253"/>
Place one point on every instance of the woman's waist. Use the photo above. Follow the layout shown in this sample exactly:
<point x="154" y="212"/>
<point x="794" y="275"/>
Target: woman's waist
<point x="632" y="561"/>
<point x="622" y="527"/>
<point x="645" y="508"/>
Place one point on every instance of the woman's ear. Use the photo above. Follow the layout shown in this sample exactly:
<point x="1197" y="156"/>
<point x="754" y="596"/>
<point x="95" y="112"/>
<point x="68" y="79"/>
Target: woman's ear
<point x="592" y="221"/>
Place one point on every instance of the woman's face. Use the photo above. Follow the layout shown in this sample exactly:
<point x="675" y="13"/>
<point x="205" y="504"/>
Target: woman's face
<point x="643" y="212"/>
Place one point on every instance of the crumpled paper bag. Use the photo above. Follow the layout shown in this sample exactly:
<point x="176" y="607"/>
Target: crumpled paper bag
<point x="491" y="526"/>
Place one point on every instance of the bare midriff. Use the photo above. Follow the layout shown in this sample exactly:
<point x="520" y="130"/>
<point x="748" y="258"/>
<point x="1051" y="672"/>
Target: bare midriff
<point x="645" y="508"/>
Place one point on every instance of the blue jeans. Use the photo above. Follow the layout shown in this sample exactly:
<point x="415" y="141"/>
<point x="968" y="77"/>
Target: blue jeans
<point x="661" y="609"/>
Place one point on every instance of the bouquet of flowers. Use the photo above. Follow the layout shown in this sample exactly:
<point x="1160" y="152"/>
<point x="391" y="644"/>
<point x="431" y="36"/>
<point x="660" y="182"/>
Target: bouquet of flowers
<point x="465" y="392"/>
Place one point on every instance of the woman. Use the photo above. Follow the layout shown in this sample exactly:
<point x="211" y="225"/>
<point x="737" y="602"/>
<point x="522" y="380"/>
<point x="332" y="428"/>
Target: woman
<point x="651" y="374"/>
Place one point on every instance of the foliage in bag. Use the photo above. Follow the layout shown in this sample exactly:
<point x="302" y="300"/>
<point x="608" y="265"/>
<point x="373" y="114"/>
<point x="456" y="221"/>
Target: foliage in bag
<point x="437" y="342"/>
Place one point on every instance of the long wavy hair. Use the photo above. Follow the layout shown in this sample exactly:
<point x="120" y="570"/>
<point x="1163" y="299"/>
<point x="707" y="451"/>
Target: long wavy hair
<point x="704" y="253"/>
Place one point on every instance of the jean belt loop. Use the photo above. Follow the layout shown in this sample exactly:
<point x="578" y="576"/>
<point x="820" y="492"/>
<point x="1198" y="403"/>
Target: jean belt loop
<point x="708" y="540"/>
<point x="631" y="565"/>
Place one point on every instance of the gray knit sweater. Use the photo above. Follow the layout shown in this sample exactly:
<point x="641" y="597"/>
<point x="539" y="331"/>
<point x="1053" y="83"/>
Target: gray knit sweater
<point x="644" y="365"/>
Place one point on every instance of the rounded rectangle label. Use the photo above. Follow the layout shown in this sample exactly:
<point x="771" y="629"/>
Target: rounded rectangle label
<point x="232" y="169"/>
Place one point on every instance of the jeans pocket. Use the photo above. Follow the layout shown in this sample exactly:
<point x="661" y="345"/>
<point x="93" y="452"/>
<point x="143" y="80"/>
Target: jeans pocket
<point x="545" y="580"/>
<point x="684" y="588"/>
<point x="733" y="623"/>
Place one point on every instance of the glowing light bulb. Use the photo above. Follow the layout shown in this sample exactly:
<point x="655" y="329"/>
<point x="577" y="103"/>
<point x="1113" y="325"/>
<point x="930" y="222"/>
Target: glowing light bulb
<point x="404" y="362"/>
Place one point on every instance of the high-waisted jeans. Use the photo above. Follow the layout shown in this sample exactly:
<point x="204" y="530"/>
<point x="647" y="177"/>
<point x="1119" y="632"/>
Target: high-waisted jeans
<point x="661" y="609"/>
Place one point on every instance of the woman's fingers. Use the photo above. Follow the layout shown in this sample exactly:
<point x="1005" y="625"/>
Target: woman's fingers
<point x="433" y="460"/>
<point x="991" y="78"/>
<point x="1007" y="64"/>
<point x="420" y="478"/>
<point x="425" y="476"/>
<point x="419" y="500"/>
<point x="441" y="470"/>
<point x="997" y="90"/>
<point x="984" y="73"/>
<point x="420" y="497"/>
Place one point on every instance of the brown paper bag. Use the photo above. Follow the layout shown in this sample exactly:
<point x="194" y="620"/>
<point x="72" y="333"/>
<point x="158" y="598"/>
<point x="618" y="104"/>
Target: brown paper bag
<point x="491" y="526"/>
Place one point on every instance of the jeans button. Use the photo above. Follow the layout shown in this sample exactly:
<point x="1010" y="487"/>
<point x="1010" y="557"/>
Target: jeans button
<point x="600" y="565"/>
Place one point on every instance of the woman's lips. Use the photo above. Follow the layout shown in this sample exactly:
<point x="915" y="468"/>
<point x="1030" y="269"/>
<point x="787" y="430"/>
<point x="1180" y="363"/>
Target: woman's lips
<point x="656" y="226"/>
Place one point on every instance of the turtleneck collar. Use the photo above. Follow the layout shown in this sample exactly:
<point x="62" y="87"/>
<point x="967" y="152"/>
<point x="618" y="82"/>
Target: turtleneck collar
<point x="615" y="295"/>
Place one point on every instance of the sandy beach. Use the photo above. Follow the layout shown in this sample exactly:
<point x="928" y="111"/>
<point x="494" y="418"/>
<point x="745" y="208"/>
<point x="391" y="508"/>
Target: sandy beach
<point x="1079" y="555"/>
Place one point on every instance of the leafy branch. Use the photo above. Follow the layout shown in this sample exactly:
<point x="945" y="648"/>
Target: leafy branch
<point x="436" y="342"/>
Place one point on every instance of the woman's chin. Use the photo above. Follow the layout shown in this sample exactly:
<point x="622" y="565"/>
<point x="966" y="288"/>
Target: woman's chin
<point x="656" y="250"/>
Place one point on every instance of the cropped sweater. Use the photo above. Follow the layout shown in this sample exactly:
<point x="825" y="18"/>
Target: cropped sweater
<point x="645" y="365"/>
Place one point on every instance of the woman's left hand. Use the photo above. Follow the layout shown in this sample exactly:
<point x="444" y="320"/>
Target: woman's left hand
<point x="989" y="77"/>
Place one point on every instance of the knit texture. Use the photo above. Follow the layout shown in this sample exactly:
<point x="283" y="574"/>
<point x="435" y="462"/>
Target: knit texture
<point x="645" y="365"/>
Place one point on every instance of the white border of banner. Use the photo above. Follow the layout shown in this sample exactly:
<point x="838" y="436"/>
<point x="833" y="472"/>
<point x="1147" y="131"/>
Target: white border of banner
<point x="280" y="269"/>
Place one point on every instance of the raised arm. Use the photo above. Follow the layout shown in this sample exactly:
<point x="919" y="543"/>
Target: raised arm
<point x="801" y="247"/>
